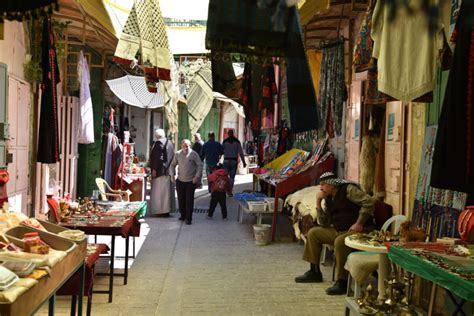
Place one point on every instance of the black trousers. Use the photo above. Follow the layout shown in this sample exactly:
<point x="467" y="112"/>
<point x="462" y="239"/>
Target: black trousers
<point x="218" y="197"/>
<point x="185" y="192"/>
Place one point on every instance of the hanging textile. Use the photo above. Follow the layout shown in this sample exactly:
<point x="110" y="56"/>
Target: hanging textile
<point x="241" y="27"/>
<point x="258" y="92"/>
<point x="48" y="135"/>
<point x="406" y="59"/>
<point x="223" y="76"/>
<point x="301" y="96"/>
<point x="453" y="161"/>
<point x="314" y="59"/>
<point x="364" y="45"/>
<point x="435" y="209"/>
<point x="171" y="90"/>
<point x="200" y="97"/>
<point x="332" y="86"/>
<point x="16" y="10"/>
<point x="145" y="30"/>
<point x="86" y="116"/>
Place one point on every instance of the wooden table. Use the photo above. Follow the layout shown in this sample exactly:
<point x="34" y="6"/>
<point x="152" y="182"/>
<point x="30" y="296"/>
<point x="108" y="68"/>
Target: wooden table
<point x="109" y="225"/>
<point x="295" y="183"/>
<point x="30" y="301"/>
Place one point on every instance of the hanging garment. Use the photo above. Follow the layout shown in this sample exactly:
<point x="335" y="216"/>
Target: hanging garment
<point x="364" y="45"/>
<point x="406" y="59"/>
<point x="171" y="90"/>
<point x="258" y="92"/>
<point x="453" y="161"/>
<point x="145" y="30"/>
<point x="241" y="27"/>
<point x="200" y="97"/>
<point x="86" y="115"/>
<point x="301" y="96"/>
<point x="332" y="87"/>
<point x="48" y="136"/>
<point x="223" y="75"/>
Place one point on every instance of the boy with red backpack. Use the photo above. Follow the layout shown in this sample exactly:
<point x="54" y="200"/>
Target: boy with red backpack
<point x="220" y="186"/>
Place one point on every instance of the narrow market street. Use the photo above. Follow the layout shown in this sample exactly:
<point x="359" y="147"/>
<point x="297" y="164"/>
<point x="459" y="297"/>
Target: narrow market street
<point x="212" y="267"/>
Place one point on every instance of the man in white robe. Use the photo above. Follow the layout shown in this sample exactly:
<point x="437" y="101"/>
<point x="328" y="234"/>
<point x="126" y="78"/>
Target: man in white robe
<point x="161" y="156"/>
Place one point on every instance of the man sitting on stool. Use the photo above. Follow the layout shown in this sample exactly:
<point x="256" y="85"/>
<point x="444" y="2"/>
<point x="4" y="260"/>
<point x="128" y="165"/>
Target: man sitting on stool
<point x="348" y="210"/>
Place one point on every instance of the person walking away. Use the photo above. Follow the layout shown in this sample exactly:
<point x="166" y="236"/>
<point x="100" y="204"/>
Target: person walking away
<point x="220" y="183"/>
<point x="198" y="143"/>
<point x="161" y="156"/>
<point x="189" y="176"/>
<point x="211" y="153"/>
<point x="232" y="150"/>
<point x="349" y="210"/>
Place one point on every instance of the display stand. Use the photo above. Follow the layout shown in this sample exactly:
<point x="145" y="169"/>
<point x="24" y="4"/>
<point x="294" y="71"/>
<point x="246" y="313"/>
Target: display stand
<point x="126" y="180"/>
<point x="30" y="301"/>
<point x="294" y="183"/>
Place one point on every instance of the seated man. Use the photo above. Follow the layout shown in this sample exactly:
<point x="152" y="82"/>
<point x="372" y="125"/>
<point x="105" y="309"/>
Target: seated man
<point x="348" y="210"/>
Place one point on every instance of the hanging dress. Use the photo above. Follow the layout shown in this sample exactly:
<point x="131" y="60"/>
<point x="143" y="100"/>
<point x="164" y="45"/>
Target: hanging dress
<point x="453" y="160"/>
<point x="86" y="115"/>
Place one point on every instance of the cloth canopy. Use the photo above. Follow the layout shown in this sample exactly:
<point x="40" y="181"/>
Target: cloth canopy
<point x="133" y="90"/>
<point x="237" y="106"/>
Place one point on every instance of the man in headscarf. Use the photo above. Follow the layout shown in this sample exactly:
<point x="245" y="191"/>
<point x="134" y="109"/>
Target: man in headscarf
<point x="349" y="210"/>
<point x="161" y="156"/>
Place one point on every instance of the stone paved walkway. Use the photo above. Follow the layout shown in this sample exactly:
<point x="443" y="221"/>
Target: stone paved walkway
<point x="212" y="267"/>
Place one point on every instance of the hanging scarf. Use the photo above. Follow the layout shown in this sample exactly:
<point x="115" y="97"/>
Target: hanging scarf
<point x="332" y="87"/>
<point x="48" y="139"/>
<point x="145" y="30"/>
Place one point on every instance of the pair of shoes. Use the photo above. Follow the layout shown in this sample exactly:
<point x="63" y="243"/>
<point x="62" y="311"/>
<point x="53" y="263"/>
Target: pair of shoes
<point x="224" y="219"/>
<point x="181" y="218"/>
<point x="310" y="276"/>
<point x="339" y="288"/>
<point x="188" y="222"/>
<point x="208" y="217"/>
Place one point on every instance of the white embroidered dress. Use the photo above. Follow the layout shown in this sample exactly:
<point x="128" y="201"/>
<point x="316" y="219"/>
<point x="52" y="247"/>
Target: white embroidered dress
<point x="86" y="114"/>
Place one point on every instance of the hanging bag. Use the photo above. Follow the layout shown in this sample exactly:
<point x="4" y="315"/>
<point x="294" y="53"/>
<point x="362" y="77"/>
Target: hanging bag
<point x="466" y="224"/>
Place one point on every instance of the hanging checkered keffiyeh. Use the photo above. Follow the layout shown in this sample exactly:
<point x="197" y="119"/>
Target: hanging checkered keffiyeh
<point x="145" y="31"/>
<point x="330" y="178"/>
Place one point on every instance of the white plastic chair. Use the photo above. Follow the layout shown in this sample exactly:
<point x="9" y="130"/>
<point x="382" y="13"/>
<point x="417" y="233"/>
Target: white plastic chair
<point x="106" y="191"/>
<point x="394" y="223"/>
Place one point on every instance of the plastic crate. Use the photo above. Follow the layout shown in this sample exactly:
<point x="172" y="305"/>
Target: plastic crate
<point x="257" y="206"/>
<point x="271" y="204"/>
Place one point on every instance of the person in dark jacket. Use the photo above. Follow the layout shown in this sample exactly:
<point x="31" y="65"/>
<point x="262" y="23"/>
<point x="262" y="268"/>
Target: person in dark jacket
<point x="198" y="143"/>
<point x="349" y="210"/>
<point x="211" y="153"/>
<point x="232" y="151"/>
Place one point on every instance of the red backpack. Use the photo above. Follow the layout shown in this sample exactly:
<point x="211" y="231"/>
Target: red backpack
<point x="221" y="184"/>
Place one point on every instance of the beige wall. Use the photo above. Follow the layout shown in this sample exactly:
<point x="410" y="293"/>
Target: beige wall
<point x="13" y="48"/>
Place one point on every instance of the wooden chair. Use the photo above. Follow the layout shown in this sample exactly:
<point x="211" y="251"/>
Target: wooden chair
<point x="106" y="191"/>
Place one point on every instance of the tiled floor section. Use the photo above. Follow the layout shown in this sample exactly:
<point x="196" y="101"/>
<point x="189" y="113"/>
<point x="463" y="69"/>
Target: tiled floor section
<point x="212" y="267"/>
